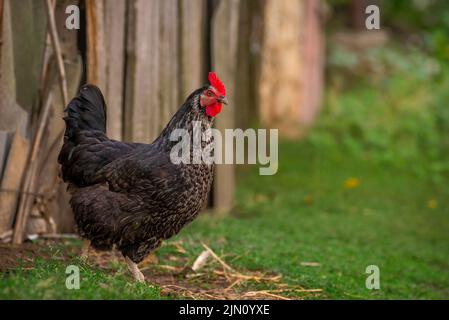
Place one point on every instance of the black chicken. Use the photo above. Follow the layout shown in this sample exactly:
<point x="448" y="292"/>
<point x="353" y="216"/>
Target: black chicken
<point x="130" y="195"/>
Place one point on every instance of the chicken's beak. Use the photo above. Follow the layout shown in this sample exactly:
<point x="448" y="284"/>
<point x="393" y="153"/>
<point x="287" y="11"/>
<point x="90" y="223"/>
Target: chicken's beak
<point x="223" y="99"/>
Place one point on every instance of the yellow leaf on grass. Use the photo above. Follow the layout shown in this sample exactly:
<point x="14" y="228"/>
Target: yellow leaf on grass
<point x="351" y="183"/>
<point x="308" y="200"/>
<point x="432" y="204"/>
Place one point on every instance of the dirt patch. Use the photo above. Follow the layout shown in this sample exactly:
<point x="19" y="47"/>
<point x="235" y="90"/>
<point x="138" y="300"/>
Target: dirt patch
<point x="14" y="256"/>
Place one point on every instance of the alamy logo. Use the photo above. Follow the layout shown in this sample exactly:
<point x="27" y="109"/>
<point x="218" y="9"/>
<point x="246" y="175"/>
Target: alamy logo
<point x="73" y="20"/>
<point x="373" y="280"/>
<point x="372" y="22"/>
<point x="73" y="279"/>
<point x="207" y="147"/>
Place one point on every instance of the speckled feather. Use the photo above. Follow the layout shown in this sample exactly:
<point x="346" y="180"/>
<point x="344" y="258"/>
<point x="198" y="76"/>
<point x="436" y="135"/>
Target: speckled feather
<point x="127" y="194"/>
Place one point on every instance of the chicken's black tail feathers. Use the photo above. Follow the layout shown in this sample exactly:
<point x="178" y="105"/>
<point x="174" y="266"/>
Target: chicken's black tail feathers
<point x="87" y="111"/>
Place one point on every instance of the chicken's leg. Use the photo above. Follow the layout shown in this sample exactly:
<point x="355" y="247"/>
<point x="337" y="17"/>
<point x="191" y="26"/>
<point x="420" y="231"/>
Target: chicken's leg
<point x="137" y="274"/>
<point x="85" y="250"/>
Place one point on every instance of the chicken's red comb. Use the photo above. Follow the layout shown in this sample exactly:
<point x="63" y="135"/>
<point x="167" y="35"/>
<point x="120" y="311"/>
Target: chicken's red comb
<point x="216" y="83"/>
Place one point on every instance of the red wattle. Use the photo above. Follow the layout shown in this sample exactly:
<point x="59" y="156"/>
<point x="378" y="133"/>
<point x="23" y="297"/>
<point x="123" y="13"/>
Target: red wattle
<point x="213" y="109"/>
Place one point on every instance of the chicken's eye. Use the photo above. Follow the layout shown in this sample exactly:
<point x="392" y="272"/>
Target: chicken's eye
<point x="209" y="93"/>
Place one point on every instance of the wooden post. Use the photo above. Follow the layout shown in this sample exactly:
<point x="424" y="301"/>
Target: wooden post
<point x="313" y="61"/>
<point x="28" y="26"/>
<point x="96" y="62"/>
<point x="1" y="32"/>
<point x="12" y="178"/>
<point x="142" y="101"/>
<point x="114" y="14"/>
<point x="281" y="66"/>
<point x="169" y="61"/>
<point x="105" y="57"/>
<point x="248" y="62"/>
<point x="224" y="60"/>
<point x="192" y="46"/>
<point x="5" y="141"/>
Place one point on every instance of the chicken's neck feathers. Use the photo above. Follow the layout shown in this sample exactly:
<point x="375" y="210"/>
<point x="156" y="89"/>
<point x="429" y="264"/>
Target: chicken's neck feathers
<point x="190" y="113"/>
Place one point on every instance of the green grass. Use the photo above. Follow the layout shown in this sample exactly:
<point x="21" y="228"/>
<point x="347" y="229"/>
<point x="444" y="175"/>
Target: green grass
<point x="385" y="221"/>
<point x="48" y="277"/>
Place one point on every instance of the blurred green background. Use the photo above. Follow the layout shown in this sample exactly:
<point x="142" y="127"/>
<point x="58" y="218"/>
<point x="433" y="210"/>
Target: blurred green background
<point x="390" y="102"/>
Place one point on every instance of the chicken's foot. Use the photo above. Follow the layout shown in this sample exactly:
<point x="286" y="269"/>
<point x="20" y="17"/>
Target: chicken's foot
<point x="137" y="274"/>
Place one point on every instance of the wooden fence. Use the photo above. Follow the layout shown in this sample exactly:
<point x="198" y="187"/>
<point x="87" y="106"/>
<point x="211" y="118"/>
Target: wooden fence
<point x="146" y="56"/>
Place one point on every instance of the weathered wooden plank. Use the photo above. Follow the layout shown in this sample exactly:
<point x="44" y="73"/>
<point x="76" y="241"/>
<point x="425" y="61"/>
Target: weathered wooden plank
<point x="7" y="78"/>
<point x="114" y="14"/>
<point x="153" y="120"/>
<point x="96" y="62"/>
<point x="130" y="69"/>
<point x="169" y="56"/>
<point x="12" y="117"/>
<point x="248" y="62"/>
<point x="280" y="89"/>
<point x="142" y="104"/>
<point x="313" y="60"/>
<point x="192" y="37"/>
<point x="4" y="149"/>
<point x="224" y="56"/>
<point x="105" y="56"/>
<point x="28" y="45"/>
<point x="1" y="30"/>
<point x="12" y="179"/>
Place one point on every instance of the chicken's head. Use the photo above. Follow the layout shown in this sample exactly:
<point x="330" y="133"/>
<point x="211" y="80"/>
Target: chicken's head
<point x="213" y="96"/>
